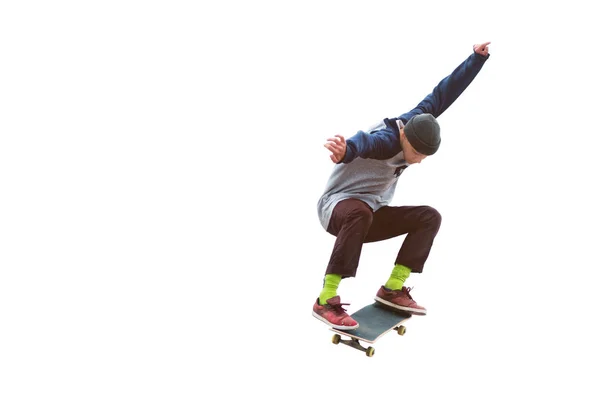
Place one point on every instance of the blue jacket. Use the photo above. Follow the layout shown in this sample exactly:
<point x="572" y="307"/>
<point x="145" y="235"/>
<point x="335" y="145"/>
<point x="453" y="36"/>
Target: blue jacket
<point x="374" y="159"/>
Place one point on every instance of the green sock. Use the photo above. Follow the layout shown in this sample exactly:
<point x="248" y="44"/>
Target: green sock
<point x="330" y="286"/>
<point x="398" y="277"/>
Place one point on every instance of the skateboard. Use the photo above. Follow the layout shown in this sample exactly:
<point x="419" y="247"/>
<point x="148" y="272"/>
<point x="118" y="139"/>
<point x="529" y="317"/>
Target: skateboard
<point x="374" y="321"/>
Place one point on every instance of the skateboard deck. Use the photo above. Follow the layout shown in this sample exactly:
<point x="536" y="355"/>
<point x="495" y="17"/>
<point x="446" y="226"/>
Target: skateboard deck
<point x="375" y="320"/>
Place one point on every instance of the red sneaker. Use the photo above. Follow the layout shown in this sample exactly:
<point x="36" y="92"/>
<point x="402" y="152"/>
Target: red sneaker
<point x="399" y="299"/>
<point x="333" y="314"/>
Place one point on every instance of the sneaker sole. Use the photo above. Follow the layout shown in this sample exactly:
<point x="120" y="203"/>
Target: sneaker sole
<point x="334" y="325"/>
<point x="406" y="309"/>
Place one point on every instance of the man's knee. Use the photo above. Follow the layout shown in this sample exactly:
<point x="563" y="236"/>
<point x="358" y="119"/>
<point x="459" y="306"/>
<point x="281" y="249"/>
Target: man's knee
<point x="353" y="214"/>
<point x="432" y="217"/>
<point x="362" y="214"/>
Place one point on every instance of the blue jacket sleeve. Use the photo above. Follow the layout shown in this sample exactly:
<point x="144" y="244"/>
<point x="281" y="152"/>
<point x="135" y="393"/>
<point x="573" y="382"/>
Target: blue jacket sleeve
<point x="449" y="88"/>
<point x="381" y="144"/>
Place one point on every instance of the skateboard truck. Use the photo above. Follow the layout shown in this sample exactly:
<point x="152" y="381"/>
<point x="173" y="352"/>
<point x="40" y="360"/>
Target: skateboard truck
<point x="355" y="342"/>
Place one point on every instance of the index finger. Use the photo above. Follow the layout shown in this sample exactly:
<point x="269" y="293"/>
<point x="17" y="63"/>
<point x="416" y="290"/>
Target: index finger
<point x="341" y="137"/>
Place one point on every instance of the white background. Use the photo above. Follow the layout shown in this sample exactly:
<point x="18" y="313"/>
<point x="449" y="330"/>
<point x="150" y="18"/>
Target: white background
<point x="160" y="164"/>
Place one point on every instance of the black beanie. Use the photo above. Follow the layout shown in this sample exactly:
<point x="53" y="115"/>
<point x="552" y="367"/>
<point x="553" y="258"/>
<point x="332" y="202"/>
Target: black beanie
<point x="423" y="133"/>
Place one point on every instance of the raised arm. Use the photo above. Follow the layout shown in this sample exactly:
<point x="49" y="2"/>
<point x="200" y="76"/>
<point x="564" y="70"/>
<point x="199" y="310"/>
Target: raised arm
<point x="452" y="86"/>
<point x="385" y="143"/>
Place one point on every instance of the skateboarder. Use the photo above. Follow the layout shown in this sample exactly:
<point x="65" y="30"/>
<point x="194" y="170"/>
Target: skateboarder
<point x="355" y="205"/>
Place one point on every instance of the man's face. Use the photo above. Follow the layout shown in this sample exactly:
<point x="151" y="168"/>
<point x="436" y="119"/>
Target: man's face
<point x="410" y="154"/>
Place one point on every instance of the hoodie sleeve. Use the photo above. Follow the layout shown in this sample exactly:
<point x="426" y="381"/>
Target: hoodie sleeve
<point x="381" y="144"/>
<point x="449" y="88"/>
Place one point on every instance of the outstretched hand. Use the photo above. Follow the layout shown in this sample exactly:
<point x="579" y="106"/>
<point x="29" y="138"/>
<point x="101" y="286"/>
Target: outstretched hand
<point x="482" y="49"/>
<point x="337" y="146"/>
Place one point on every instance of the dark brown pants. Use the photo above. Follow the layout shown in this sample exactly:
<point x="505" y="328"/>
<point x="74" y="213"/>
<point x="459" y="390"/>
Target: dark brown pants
<point x="354" y="223"/>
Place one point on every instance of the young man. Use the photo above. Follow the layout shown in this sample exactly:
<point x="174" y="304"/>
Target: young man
<point x="354" y="206"/>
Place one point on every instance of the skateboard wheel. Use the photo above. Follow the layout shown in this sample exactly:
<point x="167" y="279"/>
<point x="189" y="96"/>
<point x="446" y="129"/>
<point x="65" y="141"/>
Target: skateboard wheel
<point x="401" y="330"/>
<point x="336" y="339"/>
<point x="370" y="351"/>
